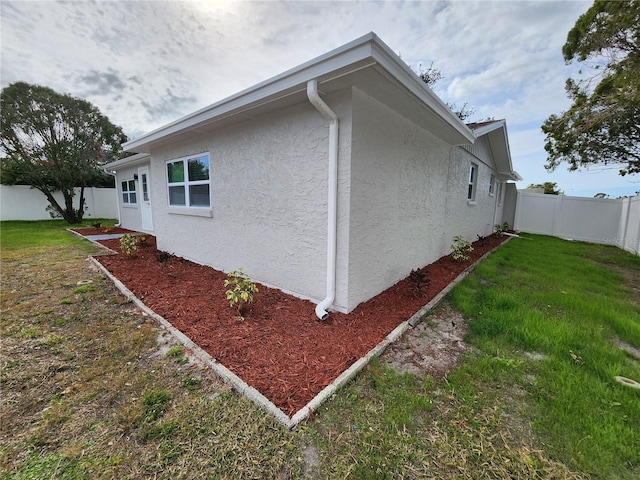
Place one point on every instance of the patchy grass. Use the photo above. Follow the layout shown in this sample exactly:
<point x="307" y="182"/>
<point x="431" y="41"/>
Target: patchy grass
<point x="88" y="393"/>
<point x="553" y="308"/>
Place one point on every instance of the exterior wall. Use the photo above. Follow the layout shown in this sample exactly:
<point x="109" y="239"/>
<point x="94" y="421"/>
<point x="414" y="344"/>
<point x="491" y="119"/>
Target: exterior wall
<point x="129" y="214"/>
<point x="21" y="202"/>
<point x="268" y="199"/>
<point x="408" y="198"/>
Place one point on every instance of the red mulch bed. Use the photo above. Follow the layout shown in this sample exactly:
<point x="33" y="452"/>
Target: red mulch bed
<point x="281" y="349"/>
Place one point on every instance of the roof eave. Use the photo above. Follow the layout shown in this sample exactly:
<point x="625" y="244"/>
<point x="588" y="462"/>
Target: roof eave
<point x="365" y="51"/>
<point x="131" y="160"/>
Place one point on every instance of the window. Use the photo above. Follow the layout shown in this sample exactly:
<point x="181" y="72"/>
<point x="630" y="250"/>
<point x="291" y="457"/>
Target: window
<point x="492" y="185"/>
<point x="473" y="174"/>
<point x="128" y="192"/>
<point x="188" y="181"/>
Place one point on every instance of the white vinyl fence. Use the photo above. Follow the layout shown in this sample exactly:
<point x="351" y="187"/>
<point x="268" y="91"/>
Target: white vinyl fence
<point x="597" y="220"/>
<point x="21" y="202"/>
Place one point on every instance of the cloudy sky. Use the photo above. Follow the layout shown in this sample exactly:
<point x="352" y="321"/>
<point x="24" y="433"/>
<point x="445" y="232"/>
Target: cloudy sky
<point x="145" y="64"/>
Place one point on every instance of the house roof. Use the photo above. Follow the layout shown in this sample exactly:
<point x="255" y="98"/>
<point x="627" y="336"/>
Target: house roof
<point x="496" y="132"/>
<point x="366" y="63"/>
<point x="129" y="161"/>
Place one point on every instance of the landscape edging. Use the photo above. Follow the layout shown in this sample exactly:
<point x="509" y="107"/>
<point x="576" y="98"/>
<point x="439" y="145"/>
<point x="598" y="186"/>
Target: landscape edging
<point x="253" y="394"/>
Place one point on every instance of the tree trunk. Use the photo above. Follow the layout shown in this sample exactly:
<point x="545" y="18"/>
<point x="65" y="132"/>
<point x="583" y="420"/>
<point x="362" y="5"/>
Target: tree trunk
<point x="80" y="211"/>
<point x="70" y="215"/>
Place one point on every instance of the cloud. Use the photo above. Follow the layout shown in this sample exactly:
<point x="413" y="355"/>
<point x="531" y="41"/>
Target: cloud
<point x="103" y="83"/>
<point x="145" y="64"/>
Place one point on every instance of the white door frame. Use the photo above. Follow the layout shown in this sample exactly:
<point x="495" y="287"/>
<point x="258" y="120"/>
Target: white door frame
<point x="145" y="199"/>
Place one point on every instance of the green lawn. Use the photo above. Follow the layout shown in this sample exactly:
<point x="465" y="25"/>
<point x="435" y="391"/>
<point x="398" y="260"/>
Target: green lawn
<point x="88" y="392"/>
<point x="19" y="234"/>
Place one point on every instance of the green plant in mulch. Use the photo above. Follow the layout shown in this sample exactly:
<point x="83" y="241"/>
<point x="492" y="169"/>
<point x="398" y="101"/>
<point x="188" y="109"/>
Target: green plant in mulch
<point x="501" y="229"/>
<point x="461" y="249"/>
<point x="129" y="243"/>
<point x="419" y="280"/>
<point x="241" y="290"/>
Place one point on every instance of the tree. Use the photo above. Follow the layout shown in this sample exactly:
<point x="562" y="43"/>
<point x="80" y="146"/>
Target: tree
<point x="431" y="76"/>
<point x="550" y="188"/>
<point x="54" y="142"/>
<point x="602" y="126"/>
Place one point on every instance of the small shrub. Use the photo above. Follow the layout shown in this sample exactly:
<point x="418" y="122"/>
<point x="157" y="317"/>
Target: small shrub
<point x="501" y="229"/>
<point x="461" y="249"/>
<point x="241" y="290"/>
<point x="419" y="281"/>
<point x="482" y="240"/>
<point x="96" y="225"/>
<point x="129" y="244"/>
<point x="163" y="257"/>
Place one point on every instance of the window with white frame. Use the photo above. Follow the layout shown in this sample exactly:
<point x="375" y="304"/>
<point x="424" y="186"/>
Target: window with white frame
<point x="128" y="192"/>
<point x="473" y="179"/>
<point x="188" y="181"/>
<point x="492" y="185"/>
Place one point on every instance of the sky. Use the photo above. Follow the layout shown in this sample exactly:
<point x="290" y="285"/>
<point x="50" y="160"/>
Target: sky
<point x="145" y="64"/>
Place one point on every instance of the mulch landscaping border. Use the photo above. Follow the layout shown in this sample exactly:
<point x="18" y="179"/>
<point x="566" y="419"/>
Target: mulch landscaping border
<point x="260" y="399"/>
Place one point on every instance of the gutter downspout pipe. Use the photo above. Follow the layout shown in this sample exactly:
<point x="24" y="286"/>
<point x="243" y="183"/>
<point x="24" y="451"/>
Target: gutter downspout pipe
<point x="332" y="203"/>
<point x="115" y="179"/>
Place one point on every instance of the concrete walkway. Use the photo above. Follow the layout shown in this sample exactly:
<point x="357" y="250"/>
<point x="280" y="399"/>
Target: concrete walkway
<point x="106" y="236"/>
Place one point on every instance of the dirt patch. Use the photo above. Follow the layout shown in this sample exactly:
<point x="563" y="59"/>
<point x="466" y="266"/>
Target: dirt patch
<point x="632" y="278"/>
<point x="281" y="349"/>
<point x="433" y="347"/>
<point x="630" y="349"/>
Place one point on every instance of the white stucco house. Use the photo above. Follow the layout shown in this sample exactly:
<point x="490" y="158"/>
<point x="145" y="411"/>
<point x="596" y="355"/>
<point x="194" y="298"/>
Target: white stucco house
<point x="330" y="181"/>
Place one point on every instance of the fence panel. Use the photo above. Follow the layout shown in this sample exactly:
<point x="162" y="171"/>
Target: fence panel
<point x="21" y="202"/>
<point x="597" y="220"/>
<point x="535" y="213"/>
<point x="630" y="225"/>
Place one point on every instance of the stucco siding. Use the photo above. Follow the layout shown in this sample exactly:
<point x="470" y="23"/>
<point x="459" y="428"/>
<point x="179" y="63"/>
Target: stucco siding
<point x="471" y="218"/>
<point x="408" y="198"/>
<point x="398" y="183"/>
<point x="268" y="199"/>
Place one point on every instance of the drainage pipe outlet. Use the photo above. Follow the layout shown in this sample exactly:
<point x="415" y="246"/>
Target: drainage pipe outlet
<point x="332" y="203"/>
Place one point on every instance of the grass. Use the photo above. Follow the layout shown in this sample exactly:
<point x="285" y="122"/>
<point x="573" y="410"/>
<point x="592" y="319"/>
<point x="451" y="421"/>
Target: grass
<point x="561" y="301"/>
<point x="88" y="392"/>
<point x="16" y="235"/>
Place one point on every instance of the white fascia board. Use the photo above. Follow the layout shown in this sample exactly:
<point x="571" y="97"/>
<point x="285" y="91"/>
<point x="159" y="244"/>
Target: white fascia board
<point x="502" y="137"/>
<point x="127" y="161"/>
<point x="490" y="127"/>
<point x="416" y="86"/>
<point x="361" y="52"/>
<point x="285" y="83"/>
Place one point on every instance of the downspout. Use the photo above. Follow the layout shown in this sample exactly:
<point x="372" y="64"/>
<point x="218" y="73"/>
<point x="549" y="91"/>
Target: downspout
<point x="332" y="203"/>
<point x="115" y="180"/>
